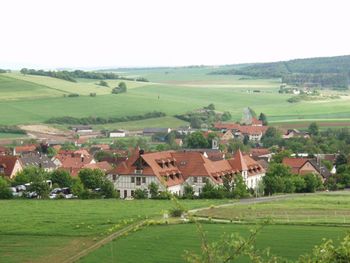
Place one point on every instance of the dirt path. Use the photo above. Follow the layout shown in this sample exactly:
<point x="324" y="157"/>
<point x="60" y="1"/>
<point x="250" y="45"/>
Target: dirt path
<point x="102" y="242"/>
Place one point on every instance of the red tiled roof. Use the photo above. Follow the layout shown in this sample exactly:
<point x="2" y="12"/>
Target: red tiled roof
<point x="238" y="161"/>
<point x="259" y="151"/>
<point x="245" y="129"/>
<point x="104" y="166"/>
<point x="183" y="164"/>
<point x="255" y="121"/>
<point x="25" y="148"/>
<point x="294" y="163"/>
<point x="8" y="164"/>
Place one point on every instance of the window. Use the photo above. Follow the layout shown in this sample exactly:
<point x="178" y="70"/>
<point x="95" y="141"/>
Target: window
<point x="138" y="180"/>
<point x="132" y="193"/>
<point x="143" y="180"/>
<point x="132" y="180"/>
<point x="205" y="180"/>
<point x="195" y="179"/>
<point x="125" y="193"/>
<point x="114" y="177"/>
<point x="2" y="169"/>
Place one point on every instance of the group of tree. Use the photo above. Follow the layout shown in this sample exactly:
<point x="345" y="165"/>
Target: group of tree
<point x="324" y="72"/>
<point x="11" y="129"/>
<point x="103" y="120"/>
<point x="206" y="116"/>
<point x="121" y="88"/>
<point x="73" y="75"/>
<point x="327" y="141"/>
<point x="90" y="183"/>
<point x="279" y="179"/>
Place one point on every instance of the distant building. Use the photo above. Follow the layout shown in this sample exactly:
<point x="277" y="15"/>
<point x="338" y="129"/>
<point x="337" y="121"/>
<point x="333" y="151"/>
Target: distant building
<point x="82" y="129"/>
<point x="153" y="131"/>
<point x="38" y="160"/>
<point x="294" y="133"/>
<point x="10" y="166"/>
<point x="117" y="134"/>
<point x="303" y="166"/>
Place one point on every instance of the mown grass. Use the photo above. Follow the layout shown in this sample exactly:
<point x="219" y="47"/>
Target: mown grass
<point x="326" y="208"/>
<point x="167" y="244"/>
<point x="52" y="230"/>
<point x="310" y="219"/>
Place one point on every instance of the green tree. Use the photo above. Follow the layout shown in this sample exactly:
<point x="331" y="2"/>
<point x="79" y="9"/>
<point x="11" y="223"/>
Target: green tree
<point x="140" y="194"/>
<point x="195" y="122"/>
<point x="77" y="187"/>
<point x="263" y="118"/>
<point x="103" y="83"/>
<point x="226" y="116"/>
<point x="311" y="183"/>
<point x="196" y="140"/>
<point x="153" y="190"/>
<point x="188" y="192"/>
<point x="278" y="157"/>
<point x="61" y="177"/>
<point x="341" y="159"/>
<point x="107" y="189"/>
<point x="278" y="169"/>
<point x="91" y="178"/>
<point x="5" y="192"/>
<point x="239" y="188"/>
<point x="313" y="128"/>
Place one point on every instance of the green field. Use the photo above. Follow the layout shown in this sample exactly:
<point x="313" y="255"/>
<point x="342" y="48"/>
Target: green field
<point x="52" y="230"/>
<point x="27" y="99"/>
<point x="297" y="224"/>
<point x="327" y="208"/>
<point x="167" y="244"/>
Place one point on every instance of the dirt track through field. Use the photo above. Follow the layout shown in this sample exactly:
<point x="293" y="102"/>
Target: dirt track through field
<point x="102" y="242"/>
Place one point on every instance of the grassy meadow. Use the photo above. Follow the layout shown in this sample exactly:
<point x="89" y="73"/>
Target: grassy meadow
<point x="310" y="219"/>
<point x="326" y="208"/>
<point x="53" y="230"/>
<point x="27" y="99"/>
<point x="167" y="244"/>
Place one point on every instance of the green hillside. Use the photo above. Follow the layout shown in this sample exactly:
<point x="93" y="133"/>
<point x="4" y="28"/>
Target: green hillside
<point x="325" y="72"/>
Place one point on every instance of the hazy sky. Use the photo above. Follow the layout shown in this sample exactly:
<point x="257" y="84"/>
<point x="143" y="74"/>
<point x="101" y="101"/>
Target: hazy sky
<point x="102" y="33"/>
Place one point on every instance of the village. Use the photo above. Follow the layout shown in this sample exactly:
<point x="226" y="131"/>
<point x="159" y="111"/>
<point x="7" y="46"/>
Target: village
<point x="225" y="160"/>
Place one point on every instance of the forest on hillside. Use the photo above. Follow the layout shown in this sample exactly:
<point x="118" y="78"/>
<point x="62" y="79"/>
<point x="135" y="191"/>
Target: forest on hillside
<point x="331" y="72"/>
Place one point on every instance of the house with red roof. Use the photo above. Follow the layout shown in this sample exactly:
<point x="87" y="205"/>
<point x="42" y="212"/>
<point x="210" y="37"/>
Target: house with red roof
<point x="172" y="170"/>
<point x="253" y="131"/>
<point x="303" y="166"/>
<point x="73" y="160"/>
<point x="10" y="166"/>
<point x="25" y="149"/>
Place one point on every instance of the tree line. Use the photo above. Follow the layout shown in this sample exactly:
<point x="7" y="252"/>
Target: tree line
<point x="103" y="120"/>
<point x="90" y="183"/>
<point x="73" y="75"/>
<point x="324" y="72"/>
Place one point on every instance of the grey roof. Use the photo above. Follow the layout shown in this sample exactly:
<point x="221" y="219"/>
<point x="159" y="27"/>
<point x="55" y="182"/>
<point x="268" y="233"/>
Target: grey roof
<point x="323" y="171"/>
<point x="38" y="160"/>
<point x="155" y="130"/>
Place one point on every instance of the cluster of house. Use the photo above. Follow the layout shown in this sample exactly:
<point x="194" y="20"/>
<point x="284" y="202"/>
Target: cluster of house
<point x="173" y="170"/>
<point x="170" y="170"/>
<point x="254" y="130"/>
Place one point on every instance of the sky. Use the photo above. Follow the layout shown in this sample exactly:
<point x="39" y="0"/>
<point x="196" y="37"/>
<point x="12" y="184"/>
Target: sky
<point x="142" y="33"/>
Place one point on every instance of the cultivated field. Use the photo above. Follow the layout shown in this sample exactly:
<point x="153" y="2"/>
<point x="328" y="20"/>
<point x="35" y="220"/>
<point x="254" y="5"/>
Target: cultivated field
<point x="34" y="99"/>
